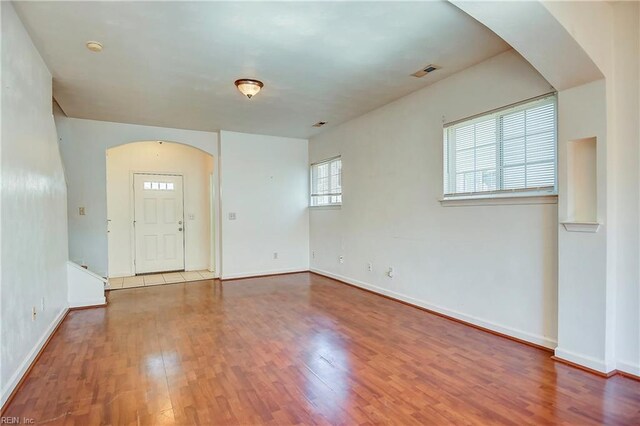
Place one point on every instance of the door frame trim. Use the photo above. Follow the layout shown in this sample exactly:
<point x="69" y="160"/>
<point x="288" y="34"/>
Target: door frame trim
<point x="132" y="216"/>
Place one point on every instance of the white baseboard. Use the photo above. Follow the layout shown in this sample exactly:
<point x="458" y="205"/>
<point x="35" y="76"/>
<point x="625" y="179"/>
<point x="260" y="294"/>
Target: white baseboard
<point x="585" y="360"/>
<point x="628" y="367"/>
<point x="260" y="273"/>
<point x="186" y="269"/>
<point x="24" y="366"/>
<point x="120" y="274"/>
<point x="193" y="268"/>
<point x="84" y="303"/>
<point x="499" y="328"/>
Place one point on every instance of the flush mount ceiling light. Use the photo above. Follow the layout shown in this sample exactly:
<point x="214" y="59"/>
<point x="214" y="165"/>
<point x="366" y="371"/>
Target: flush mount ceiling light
<point x="94" y="46"/>
<point x="249" y="87"/>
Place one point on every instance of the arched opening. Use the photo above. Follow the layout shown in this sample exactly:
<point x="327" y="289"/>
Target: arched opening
<point x="597" y="88"/>
<point x="160" y="213"/>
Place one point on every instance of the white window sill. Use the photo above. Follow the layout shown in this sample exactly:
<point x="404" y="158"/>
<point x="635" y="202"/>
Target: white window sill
<point x="327" y="207"/>
<point x="499" y="200"/>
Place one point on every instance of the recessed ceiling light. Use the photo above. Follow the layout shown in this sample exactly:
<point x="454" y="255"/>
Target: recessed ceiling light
<point x="94" y="46"/>
<point x="249" y="87"/>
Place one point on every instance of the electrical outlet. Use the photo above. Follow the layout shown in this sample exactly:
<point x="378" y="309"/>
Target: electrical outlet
<point x="232" y="216"/>
<point x="341" y="259"/>
<point x="369" y="266"/>
<point x="313" y="254"/>
<point x="81" y="211"/>
<point x="33" y="314"/>
<point x="391" y="272"/>
<point x="42" y="304"/>
<point x="275" y="255"/>
<point x="191" y="216"/>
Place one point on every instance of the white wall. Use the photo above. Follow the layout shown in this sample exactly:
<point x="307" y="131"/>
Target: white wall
<point x="582" y="274"/>
<point x="84" y="287"/>
<point x="614" y="48"/>
<point x="34" y="223"/>
<point x="84" y="144"/>
<point x="194" y="165"/>
<point x="265" y="182"/>
<point x="491" y="265"/>
<point x="626" y="167"/>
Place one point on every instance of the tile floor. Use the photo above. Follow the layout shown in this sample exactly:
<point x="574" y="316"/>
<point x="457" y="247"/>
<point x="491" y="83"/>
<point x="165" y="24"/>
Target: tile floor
<point x="158" y="279"/>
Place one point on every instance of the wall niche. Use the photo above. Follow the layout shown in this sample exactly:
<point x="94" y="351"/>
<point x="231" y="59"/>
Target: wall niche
<point x="582" y="186"/>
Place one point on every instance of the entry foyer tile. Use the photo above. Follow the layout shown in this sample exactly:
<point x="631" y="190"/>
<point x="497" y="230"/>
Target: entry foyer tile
<point x="159" y="279"/>
<point x="115" y="282"/>
<point x="207" y="275"/>
<point x="191" y="276"/>
<point x="153" y="279"/>
<point x="133" y="282"/>
<point x="173" y="277"/>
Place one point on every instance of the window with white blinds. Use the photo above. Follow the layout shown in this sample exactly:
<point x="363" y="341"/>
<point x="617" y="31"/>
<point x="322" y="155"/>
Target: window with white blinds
<point x="326" y="182"/>
<point x="511" y="150"/>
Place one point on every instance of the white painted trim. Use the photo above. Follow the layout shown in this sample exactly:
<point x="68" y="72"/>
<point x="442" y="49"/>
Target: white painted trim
<point x="212" y="224"/>
<point x="260" y="273"/>
<point x="628" y="367"/>
<point x="85" y="303"/>
<point x="499" y="200"/>
<point x="24" y="366"/>
<point x="87" y="271"/>
<point x="132" y="217"/>
<point x="327" y="207"/>
<point x="123" y="274"/>
<point x="503" y="329"/>
<point x="581" y="226"/>
<point x="585" y="360"/>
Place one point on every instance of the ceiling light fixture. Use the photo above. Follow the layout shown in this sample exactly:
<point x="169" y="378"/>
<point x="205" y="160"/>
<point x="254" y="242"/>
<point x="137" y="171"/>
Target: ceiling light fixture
<point x="94" y="46"/>
<point x="249" y="87"/>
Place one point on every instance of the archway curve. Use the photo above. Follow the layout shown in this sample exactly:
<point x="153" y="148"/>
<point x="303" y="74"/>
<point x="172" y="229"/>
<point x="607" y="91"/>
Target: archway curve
<point x="536" y="32"/>
<point x="212" y="152"/>
<point x="572" y="44"/>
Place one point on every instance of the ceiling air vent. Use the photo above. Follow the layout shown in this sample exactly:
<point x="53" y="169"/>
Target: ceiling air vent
<point x="426" y="70"/>
<point x="319" y="124"/>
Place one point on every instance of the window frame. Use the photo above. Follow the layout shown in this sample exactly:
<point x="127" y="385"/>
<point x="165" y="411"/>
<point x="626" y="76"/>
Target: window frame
<point x="449" y="153"/>
<point x="312" y="195"/>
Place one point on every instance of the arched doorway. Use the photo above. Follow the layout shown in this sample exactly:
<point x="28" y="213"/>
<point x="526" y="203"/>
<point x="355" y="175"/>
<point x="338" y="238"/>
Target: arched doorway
<point x="160" y="209"/>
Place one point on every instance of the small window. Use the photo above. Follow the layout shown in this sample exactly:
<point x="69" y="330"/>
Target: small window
<point x="326" y="183"/>
<point x="512" y="150"/>
<point x="158" y="186"/>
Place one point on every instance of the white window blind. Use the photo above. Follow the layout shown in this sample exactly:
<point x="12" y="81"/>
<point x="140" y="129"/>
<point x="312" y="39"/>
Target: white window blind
<point x="326" y="182"/>
<point x="510" y="150"/>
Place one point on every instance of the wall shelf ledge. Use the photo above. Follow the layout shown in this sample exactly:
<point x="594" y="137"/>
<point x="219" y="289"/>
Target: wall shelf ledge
<point x="581" y="226"/>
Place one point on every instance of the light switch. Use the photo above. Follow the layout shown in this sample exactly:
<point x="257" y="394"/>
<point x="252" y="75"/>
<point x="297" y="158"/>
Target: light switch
<point x="232" y="216"/>
<point x="81" y="211"/>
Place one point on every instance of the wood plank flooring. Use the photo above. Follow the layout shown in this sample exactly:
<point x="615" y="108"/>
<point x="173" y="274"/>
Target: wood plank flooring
<point x="299" y="349"/>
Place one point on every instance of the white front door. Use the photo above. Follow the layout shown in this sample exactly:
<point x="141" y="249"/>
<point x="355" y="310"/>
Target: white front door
<point x="158" y="222"/>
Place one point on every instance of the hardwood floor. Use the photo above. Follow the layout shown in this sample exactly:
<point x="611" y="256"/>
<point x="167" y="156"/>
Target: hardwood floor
<point x="299" y="349"/>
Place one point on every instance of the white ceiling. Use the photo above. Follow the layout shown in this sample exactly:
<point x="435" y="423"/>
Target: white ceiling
<point x="173" y="64"/>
